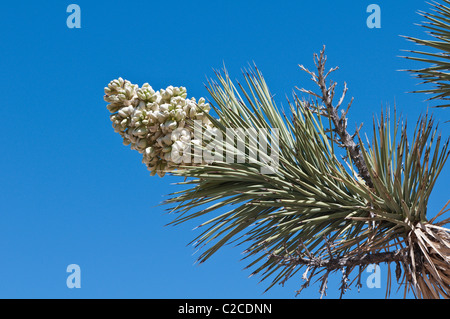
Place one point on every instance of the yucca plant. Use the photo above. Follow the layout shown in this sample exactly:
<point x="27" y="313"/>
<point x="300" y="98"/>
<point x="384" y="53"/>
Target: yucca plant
<point x="436" y="53"/>
<point x="329" y="203"/>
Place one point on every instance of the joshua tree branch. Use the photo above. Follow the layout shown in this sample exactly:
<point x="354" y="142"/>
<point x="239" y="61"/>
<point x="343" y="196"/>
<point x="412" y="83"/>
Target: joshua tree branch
<point x="343" y="263"/>
<point x="337" y="263"/>
<point x="346" y="140"/>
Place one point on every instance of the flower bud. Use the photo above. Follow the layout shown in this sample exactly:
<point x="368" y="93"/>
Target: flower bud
<point x="140" y="131"/>
<point x="142" y="143"/>
<point x="171" y="125"/>
<point x="126" y="142"/>
<point x="146" y="93"/>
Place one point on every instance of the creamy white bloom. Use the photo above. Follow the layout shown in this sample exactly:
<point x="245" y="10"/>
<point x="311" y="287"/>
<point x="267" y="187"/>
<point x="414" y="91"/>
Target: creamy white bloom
<point x="154" y="122"/>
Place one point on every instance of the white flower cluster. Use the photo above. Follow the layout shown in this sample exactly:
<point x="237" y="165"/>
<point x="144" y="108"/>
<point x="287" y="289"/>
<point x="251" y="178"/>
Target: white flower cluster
<point x="158" y="124"/>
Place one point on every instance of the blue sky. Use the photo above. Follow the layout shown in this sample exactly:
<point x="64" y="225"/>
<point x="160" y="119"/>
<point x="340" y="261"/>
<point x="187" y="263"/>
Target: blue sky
<point x="72" y="193"/>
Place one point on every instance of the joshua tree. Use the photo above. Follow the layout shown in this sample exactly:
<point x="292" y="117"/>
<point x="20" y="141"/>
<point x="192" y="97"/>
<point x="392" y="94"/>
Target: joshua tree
<point x="305" y="206"/>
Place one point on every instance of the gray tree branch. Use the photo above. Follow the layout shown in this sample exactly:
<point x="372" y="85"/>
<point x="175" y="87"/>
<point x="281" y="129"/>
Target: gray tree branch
<point x="345" y="264"/>
<point x="339" y="121"/>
